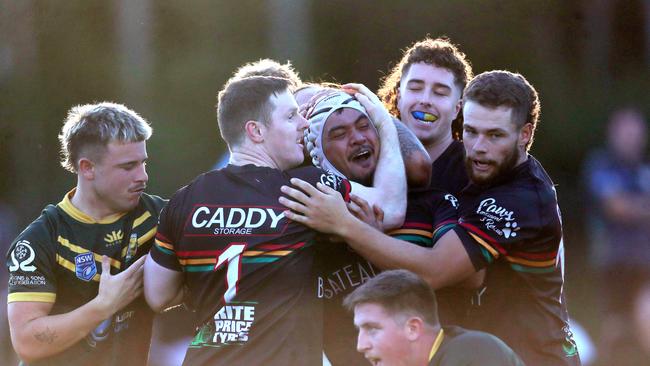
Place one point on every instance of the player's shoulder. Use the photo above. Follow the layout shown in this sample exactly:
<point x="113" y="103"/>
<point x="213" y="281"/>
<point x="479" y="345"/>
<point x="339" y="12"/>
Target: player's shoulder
<point x="315" y="175"/>
<point x="481" y="343"/>
<point x="431" y="196"/>
<point x="152" y="203"/>
<point x="41" y="231"/>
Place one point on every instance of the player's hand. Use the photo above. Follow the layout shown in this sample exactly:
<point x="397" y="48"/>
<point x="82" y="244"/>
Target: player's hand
<point x="373" y="216"/>
<point x="370" y="101"/>
<point x="321" y="209"/>
<point x="117" y="291"/>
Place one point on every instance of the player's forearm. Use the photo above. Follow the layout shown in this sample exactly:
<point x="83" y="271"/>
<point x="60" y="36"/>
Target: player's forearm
<point x="390" y="179"/>
<point x="384" y="251"/>
<point x="49" y="335"/>
<point x="417" y="161"/>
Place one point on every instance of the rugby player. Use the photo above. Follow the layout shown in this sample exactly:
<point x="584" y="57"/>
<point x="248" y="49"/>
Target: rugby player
<point x="396" y="315"/>
<point x="341" y="138"/>
<point x="424" y="91"/>
<point x="225" y="247"/>
<point x="75" y="273"/>
<point x="508" y="220"/>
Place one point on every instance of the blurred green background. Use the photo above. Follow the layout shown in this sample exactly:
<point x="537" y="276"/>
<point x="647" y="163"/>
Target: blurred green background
<point x="168" y="59"/>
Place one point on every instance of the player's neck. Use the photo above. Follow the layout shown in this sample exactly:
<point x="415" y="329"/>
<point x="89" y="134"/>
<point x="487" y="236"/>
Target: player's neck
<point x="87" y="202"/>
<point x="245" y="157"/>
<point x="437" y="147"/>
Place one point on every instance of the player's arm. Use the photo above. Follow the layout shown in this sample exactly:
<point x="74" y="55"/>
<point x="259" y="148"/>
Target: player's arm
<point x="163" y="287"/>
<point x="417" y="161"/>
<point x="322" y="209"/>
<point x="389" y="184"/>
<point x="36" y="335"/>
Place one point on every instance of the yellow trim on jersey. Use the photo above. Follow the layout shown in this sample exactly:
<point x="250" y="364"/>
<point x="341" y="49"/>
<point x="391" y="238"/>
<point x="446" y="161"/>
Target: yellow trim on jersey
<point x="197" y="261"/>
<point x="436" y="343"/>
<point x="484" y="244"/>
<point x="279" y="253"/>
<point x="141" y="219"/>
<point x="161" y="243"/>
<point x="70" y="266"/>
<point x="67" y="206"/>
<point x="77" y="249"/>
<point x="31" y="296"/>
<point x="420" y="232"/>
<point x="525" y="262"/>
<point x="143" y="239"/>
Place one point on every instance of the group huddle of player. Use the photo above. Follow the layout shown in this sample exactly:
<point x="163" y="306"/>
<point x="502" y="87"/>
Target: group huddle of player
<point x="279" y="255"/>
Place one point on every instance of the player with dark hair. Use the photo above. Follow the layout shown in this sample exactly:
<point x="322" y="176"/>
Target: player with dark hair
<point x="64" y="308"/>
<point x="341" y="138"/>
<point x="396" y="315"/>
<point x="424" y="91"/>
<point x="508" y="220"/>
<point x="225" y="247"/>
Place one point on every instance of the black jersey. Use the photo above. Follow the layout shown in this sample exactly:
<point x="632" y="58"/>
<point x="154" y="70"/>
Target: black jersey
<point x="456" y="346"/>
<point x="248" y="270"/>
<point x="57" y="259"/>
<point x="448" y="172"/>
<point x="514" y="226"/>
<point x="429" y="214"/>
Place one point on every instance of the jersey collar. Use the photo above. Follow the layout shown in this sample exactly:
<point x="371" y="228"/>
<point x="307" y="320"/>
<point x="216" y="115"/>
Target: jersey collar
<point x="67" y="207"/>
<point x="436" y="343"/>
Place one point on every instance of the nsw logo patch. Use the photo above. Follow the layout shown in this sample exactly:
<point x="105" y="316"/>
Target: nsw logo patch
<point x="84" y="266"/>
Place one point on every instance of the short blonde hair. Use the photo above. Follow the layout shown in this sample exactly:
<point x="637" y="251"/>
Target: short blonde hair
<point x="89" y="128"/>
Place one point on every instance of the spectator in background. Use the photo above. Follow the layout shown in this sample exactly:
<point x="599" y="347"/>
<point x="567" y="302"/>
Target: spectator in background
<point x="618" y="180"/>
<point x="396" y="314"/>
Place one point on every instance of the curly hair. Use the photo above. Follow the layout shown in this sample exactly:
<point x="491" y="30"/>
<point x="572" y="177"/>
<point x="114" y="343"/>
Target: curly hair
<point x="438" y="52"/>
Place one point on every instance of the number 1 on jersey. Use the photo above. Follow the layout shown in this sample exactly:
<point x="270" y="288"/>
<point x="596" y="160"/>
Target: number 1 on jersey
<point x="232" y="258"/>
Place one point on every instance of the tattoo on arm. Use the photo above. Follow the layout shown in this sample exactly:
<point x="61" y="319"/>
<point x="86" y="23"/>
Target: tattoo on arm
<point x="408" y="143"/>
<point x="47" y="336"/>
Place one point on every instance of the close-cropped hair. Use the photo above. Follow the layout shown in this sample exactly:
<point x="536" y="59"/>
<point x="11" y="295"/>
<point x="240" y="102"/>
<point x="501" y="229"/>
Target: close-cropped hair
<point x="268" y="67"/>
<point x="246" y="99"/>
<point x="504" y="88"/>
<point x="438" y="52"/>
<point x="400" y="293"/>
<point x="89" y="128"/>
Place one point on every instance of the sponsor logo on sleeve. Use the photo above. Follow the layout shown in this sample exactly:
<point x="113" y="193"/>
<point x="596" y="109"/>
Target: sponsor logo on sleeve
<point x="331" y="180"/>
<point x="453" y="200"/>
<point x="497" y="218"/>
<point x="84" y="266"/>
<point x="22" y="257"/>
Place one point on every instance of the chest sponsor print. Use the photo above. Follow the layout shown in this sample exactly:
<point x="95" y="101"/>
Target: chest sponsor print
<point x="497" y="218"/>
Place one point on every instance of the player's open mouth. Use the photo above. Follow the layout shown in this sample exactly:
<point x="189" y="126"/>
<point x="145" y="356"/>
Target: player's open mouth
<point x="362" y="155"/>
<point x="481" y="165"/>
<point x="425" y="117"/>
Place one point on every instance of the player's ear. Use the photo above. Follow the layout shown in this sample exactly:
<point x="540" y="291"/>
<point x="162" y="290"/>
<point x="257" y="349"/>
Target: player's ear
<point x="458" y="108"/>
<point x="414" y="327"/>
<point x="254" y="131"/>
<point x="525" y="134"/>
<point x="86" y="168"/>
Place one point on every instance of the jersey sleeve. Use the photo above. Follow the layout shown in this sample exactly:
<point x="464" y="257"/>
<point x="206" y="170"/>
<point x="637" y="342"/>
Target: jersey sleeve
<point x="315" y="175"/>
<point x="429" y="215"/>
<point x="31" y="260"/>
<point x="519" y="227"/>
<point x="163" y="251"/>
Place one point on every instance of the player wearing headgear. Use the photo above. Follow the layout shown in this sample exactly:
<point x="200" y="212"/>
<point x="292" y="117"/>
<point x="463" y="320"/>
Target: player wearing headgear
<point x="341" y="138"/>
<point x="225" y="247"/>
<point x="424" y="91"/>
<point x="508" y="220"/>
<point x="75" y="273"/>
